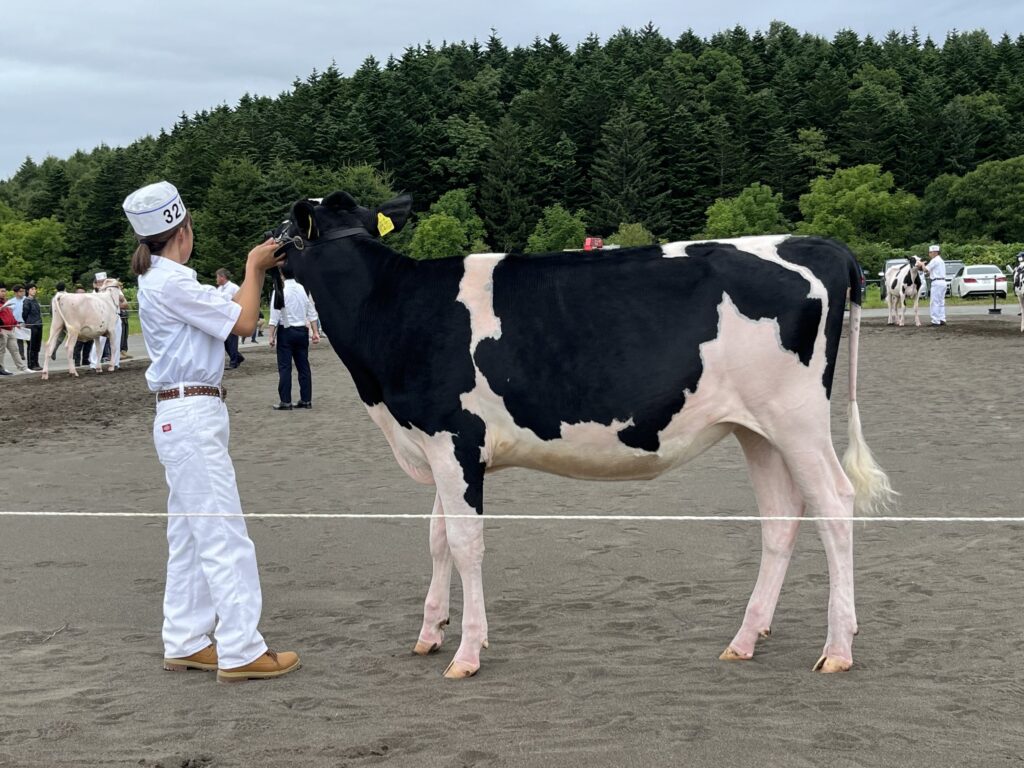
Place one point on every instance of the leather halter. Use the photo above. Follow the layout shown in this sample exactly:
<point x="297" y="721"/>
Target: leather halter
<point x="299" y="243"/>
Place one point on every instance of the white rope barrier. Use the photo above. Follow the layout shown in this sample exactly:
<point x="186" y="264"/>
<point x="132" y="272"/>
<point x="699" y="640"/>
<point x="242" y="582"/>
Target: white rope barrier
<point x="595" y="518"/>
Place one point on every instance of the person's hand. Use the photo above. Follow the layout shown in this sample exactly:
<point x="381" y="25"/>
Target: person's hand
<point x="316" y="337"/>
<point x="262" y="256"/>
<point x="272" y="342"/>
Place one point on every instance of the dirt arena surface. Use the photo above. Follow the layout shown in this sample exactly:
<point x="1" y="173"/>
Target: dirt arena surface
<point x="604" y="636"/>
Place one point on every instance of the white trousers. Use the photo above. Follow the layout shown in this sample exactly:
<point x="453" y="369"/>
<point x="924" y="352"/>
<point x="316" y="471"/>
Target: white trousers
<point x="213" y="585"/>
<point x="115" y="347"/>
<point x="938" y="302"/>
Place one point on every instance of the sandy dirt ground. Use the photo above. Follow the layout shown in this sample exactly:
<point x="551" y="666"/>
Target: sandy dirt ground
<point x="604" y="636"/>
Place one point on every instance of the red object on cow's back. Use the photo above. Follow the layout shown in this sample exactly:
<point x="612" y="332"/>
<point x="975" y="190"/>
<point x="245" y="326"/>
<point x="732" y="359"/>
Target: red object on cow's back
<point x="593" y="244"/>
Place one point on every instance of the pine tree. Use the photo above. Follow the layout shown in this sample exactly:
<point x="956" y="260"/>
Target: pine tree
<point x="627" y="185"/>
<point x="505" y="192"/>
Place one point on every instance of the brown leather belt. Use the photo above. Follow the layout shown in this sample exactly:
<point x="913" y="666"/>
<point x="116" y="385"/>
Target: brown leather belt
<point x="196" y="391"/>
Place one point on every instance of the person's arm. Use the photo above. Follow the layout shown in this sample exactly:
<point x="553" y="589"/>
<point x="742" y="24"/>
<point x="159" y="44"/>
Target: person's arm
<point x="260" y="259"/>
<point x="311" y="319"/>
<point x="275" y="318"/>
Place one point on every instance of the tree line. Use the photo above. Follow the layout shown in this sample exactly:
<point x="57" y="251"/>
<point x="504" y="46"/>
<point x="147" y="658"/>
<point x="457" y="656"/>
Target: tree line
<point x="886" y="144"/>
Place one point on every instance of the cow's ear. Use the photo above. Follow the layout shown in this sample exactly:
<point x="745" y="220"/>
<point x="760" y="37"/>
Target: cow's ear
<point x="392" y="215"/>
<point x="305" y="219"/>
<point x="339" y="201"/>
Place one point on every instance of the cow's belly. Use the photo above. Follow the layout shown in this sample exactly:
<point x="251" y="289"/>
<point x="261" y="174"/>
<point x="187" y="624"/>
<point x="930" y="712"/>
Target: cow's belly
<point x="594" y="452"/>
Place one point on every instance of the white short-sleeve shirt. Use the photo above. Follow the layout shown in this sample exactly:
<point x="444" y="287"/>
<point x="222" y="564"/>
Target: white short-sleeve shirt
<point x="184" y="325"/>
<point x="229" y="289"/>
<point x="298" y="307"/>
<point x="936" y="268"/>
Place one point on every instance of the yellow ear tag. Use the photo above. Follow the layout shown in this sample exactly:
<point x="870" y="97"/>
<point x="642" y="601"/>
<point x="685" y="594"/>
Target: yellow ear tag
<point x="384" y="224"/>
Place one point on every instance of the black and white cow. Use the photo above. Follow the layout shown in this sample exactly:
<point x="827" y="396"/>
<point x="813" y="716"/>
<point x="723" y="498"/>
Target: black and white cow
<point x="902" y="285"/>
<point x="1018" y="286"/>
<point x="603" y="365"/>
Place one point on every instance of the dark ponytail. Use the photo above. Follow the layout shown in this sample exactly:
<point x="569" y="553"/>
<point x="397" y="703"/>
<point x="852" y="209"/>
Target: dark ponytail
<point x="153" y="244"/>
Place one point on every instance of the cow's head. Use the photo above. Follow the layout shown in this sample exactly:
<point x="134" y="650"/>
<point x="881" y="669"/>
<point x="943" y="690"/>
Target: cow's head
<point x="112" y="288"/>
<point x="314" y="223"/>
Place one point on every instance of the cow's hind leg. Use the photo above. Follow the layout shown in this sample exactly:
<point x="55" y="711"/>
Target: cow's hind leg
<point x="828" y="494"/>
<point x="777" y="496"/>
<point x="435" y="607"/>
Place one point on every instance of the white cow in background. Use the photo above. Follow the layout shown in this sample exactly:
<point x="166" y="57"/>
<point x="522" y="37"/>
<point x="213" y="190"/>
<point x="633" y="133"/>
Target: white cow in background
<point x="902" y="285"/>
<point x="89" y="317"/>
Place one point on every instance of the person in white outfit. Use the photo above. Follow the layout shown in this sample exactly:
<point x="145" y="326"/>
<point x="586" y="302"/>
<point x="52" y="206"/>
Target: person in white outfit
<point x="213" y="585"/>
<point x="229" y="289"/>
<point x="937" y="279"/>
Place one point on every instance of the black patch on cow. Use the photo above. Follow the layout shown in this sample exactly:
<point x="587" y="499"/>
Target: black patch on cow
<point x="613" y="336"/>
<point x="836" y="267"/>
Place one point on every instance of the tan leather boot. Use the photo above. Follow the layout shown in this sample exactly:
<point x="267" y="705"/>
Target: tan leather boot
<point x="206" y="660"/>
<point x="270" y="664"/>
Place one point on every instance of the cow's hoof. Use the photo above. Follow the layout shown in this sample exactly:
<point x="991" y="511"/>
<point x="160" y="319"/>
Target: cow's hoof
<point x="729" y="654"/>
<point x="764" y="634"/>
<point x="829" y="664"/>
<point x="45" y="377"/>
<point x="460" y="669"/>
<point x="422" y="649"/>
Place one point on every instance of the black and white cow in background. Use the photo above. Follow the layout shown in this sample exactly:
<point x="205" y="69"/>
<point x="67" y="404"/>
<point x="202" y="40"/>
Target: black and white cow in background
<point x="902" y="285"/>
<point x="603" y="365"/>
<point x="1018" y="286"/>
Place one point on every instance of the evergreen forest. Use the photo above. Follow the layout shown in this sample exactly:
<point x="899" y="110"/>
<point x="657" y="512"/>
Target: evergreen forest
<point x="887" y="144"/>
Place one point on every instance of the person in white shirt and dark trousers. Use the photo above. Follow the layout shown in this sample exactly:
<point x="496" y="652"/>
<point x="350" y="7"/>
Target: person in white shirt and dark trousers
<point x="290" y="329"/>
<point x="213" y="584"/>
<point x="937" y="279"/>
<point x="229" y="289"/>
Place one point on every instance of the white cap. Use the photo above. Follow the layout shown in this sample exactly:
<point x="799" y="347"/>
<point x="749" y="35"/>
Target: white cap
<point x="101" y="276"/>
<point x="933" y="248"/>
<point x="154" y="209"/>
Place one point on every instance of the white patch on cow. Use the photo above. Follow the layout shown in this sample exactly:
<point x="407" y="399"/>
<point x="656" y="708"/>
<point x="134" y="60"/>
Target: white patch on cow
<point x="748" y="379"/>
<point x="748" y="244"/>
<point x="476" y="292"/>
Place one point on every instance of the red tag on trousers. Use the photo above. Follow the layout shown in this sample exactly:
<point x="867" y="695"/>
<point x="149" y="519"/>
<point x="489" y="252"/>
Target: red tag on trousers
<point x="166" y="427"/>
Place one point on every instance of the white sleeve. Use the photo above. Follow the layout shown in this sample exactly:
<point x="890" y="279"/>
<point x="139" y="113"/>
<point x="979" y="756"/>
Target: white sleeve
<point x="201" y="306"/>
<point x="310" y="309"/>
<point x="275" y="314"/>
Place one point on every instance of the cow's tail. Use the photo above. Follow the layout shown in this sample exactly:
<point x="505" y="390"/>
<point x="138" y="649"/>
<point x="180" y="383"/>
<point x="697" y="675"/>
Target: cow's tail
<point x="871" y="485"/>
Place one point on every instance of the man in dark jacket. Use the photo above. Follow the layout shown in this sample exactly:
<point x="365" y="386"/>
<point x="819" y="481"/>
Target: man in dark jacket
<point x="32" y="316"/>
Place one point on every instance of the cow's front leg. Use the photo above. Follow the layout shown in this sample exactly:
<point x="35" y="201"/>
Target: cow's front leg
<point x="459" y="475"/>
<point x="777" y="496"/>
<point x="917" y="316"/>
<point x="435" y="607"/>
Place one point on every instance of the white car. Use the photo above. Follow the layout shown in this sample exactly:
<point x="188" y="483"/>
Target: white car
<point x="979" y="280"/>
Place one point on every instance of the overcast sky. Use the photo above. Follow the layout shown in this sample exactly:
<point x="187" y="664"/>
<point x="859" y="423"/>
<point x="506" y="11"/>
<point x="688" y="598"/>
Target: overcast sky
<point x="74" y="75"/>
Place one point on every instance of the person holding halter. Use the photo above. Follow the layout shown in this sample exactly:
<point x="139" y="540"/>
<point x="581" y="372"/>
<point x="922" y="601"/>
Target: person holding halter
<point x="213" y="584"/>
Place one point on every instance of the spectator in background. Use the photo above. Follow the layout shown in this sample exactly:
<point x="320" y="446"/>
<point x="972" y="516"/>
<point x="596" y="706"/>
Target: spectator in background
<point x="289" y="331"/>
<point x="123" y="312"/>
<point x="228" y="289"/>
<point x="7" y="340"/>
<point x="17" y="305"/>
<point x="259" y="328"/>
<point x="32" y="314"/>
